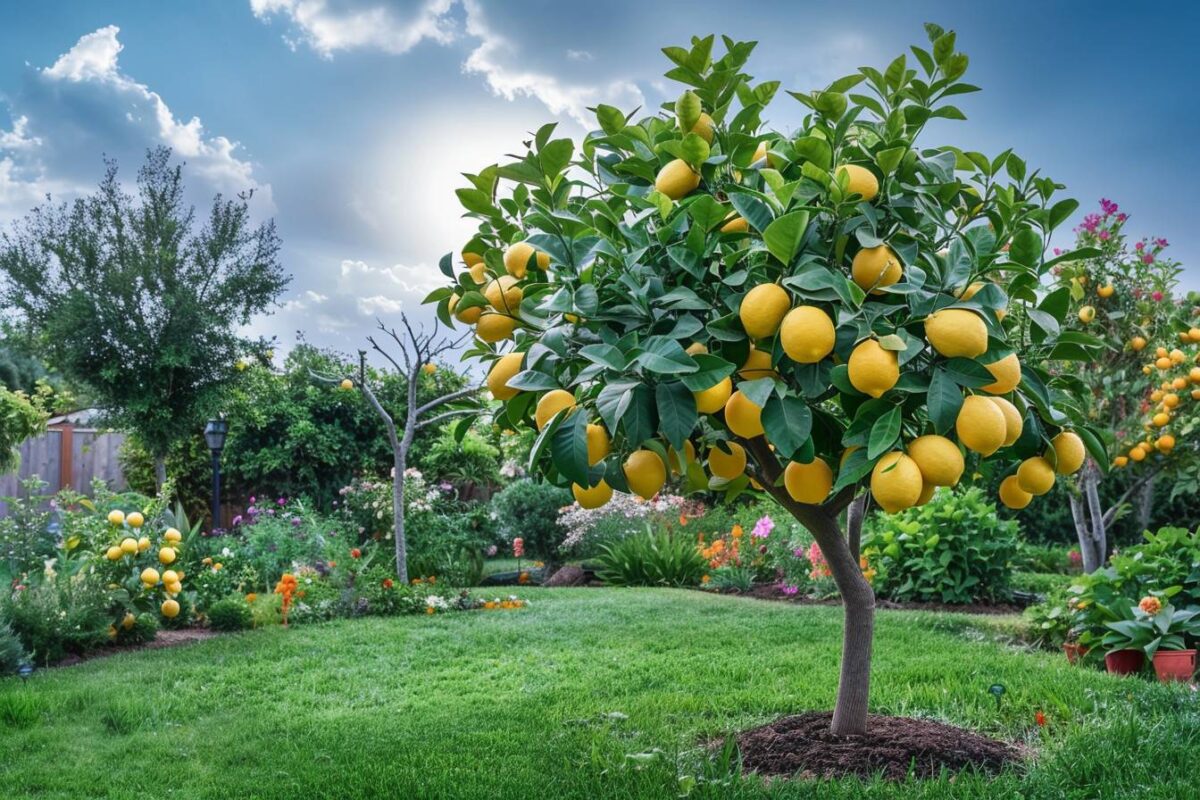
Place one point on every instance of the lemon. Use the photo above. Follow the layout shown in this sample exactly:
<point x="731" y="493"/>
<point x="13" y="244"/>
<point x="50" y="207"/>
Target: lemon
<point x="973" y="290"/>
<point x="713" y="399"/>
<point x="1069" y="452"/>
<point x="896" y="482"/>
<point x="1165" y="443"/>
<point x="598" y="443"/>
<point x="1161" y="419"/>
<point x="872" y="369"/>
<point x="166" y="555"/>
<point x="1137" y="454"/>
<point x="704" y="127"/>
<point x="981" y="425"/>
<point x="743" y="417"/>
<point x="346" y="384"/>
<point x="763" y="308"/>
<point x="173" y="588"/>
<point x="689" y="455"/>
<point x="727" y="465"/>
<point x="760" y="153"/>
<point x="1120" y="461"/>
<point x="1035" y="475"/>
<point x="170" y="608"/>
<point x="594" y="497"/>
<point x="467" y="315"/>
<point x="695" y="349"/>
<point x="504" y="294"/>
<point x="494" y="327"/>
<point x="939" y="459"/>
<point x="1106" y="290"/>
<point x="757" y="365"/>
<point x="1013" y="423"/>
<point x="503" y="369"/>
<point x="862" y="181"/>
<point x="807" y="334"/>
<point x="1194" y="334"/>
<point x="150" y="576"/>
<point x="645" y="473"/>
<point x="736" y="224"/>
<point x="808" y="483"/>
<point x="172" y="535"/>
<point x="550" y="404"/>
<point x="1162" y="362"/>
<point x="873" y="268"/>
<point x="1137" y="343"/>
<point x="927" y="490"/>
<point x="957" y="332"/>
<point x="1007" y="372"/>
<point x="516" y="259"/>
<point x="135" y="519"/>
<point x="1177" y="356"/>
<point x="128" y="621"/>
<point x="129" y="546"/>
<point x="116" y="517"/>
<point x="1012" y="495"/>
<point x="471" y="259"/>
<point x="114" y="553"/>
<point x="676" y="179"/>
<point x="478" y="273"/>
<point x="1087" y="314"/>
<point x="143" y="544"/>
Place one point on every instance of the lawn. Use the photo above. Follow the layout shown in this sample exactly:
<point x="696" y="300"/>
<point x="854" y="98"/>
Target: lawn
<point x="586" y="693"/>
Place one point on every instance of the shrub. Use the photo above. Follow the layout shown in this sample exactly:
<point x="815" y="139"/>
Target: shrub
<point x="953" y="549"/>
<point x="469" y="464"/>
<point x="1039" y="582"/>
<point x="529" y="510"/>
<point x="1050" y="621"/>
<point x="12" y="654"/>
<point x="57" y="618"/>
<point x="230" y="614"/>
<point x="587" y="531"/>
<point x="652" y="558"/>
<point x="1047" y="558"/>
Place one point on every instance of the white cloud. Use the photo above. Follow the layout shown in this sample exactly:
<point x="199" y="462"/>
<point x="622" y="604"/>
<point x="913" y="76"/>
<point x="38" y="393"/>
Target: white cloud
<point x="327" y="29"/>
<point x="94" y="57"/>
<point x="580" y="55"/>
<point x="385" y="290"/>
<point x="315" y="297"/>
<point x="378" y="304"/>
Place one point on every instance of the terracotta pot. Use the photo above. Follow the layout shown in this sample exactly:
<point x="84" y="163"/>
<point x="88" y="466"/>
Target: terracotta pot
<point x="1125" y="662"/>
<point x="1175" y="665"/>
<point x="1075" y="652"/>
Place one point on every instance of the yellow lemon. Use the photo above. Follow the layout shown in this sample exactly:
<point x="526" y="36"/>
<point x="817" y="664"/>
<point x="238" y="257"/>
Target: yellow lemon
<point x="114" y="553"/>
<point x="116" y="517"/>
<point x="1069" y="452"/>
<point x="504" y="294"/>
<point x="1120" y="461"/>
<point x="503" y="369"/>
<point x="1170" y="400"/>
<point x="645" y="473"/>
<point x="468" y="315"/>
<point x="1137" y="343"/>
<point x="129" y="546"/>
<point x="727" y="465"/>
<point x="1035" y="475"/>
<point x="763" y="308"/>
<point x="1007" y="372"/>
<point x="170" y="608"/>
<point x="689" y="455"/>
<point x="598" y="443"/>
<point x="713" y="399"/>
<point x="135" y="519"/>
<point x="593" y="497"/>
<point x="872" y="369"/>
<point x="516" y="259"/>
<point x="862" y="181"/>
<point x="478" y="273"/>
<point x="957" y="332"/>
<point x="173" y="536"/>
<point x="1106" y="290"/>
<point x="471" y="259"/>
<point x="1013" y="423"/>
<point x="939" y="459"/>
<point x="807" y="334"/>
<point x="695" y="349"/>
<point x="676" y="179"/>
<point x="1165" y="443"/>
<point x="896" y="482"/>
<point x="128" y="621"/>
<point x="980" y="425"/>
<point x="736" y="224"/>
<point x="808" y="483"/>
<point x="1161" y="419"/>
<point x="1012" y="495"/>
<point x="143" y="544"/>
<point x="550" y="404"/>
<point x="704" y="127"/>
<point x="973" y="289"/>
<point x="494" y="327"/>
<point x="743" y="417"/>
<point x="757" y="365"/>
<point x="874" y="268"/>
<point x="150" y="576"/>
<point x="1137" y="454"/>
<point x="166" y="555"/>
<point x="346" y="385"/>
<point x="1163" y="362"/>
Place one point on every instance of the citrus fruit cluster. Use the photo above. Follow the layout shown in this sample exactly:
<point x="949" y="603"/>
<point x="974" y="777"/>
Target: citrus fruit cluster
<point x="139" y="559"/>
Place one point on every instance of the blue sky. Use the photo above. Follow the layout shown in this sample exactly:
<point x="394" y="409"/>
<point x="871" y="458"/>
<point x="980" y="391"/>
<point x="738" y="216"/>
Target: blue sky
<point x="352" y="119"/>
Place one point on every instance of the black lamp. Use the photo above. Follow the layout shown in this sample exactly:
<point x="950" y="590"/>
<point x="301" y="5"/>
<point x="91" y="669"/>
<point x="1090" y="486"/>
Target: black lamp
<point x="214" y="433"/>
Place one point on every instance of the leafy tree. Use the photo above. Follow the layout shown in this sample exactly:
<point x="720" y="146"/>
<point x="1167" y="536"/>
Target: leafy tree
<point x="853" y="283"/>
<point x="139" y="302"/>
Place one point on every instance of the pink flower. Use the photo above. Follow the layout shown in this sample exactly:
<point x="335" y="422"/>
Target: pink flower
<point x="518" y="547"/>
<point x="763" y="528"/>
<point x="1139" y="246"/>
<point x="1158" y="296"/>
<point x="1147" y="259"/>
<point x="1104" y="236"/>
<point x="789" y="589"/>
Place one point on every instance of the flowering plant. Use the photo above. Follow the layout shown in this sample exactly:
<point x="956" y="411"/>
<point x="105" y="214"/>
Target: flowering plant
<point x="1151" y="626"/>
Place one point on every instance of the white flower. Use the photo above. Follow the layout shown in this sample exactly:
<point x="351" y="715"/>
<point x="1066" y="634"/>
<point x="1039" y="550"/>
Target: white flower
<point x="226" y="552"/>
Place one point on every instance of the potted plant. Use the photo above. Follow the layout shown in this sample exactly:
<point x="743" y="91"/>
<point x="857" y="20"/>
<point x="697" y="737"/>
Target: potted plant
<point x="1153" y="629"/>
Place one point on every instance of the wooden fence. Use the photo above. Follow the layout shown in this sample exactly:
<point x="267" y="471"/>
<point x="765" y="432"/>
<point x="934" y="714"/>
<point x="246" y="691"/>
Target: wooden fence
<point x="67" y="457"/>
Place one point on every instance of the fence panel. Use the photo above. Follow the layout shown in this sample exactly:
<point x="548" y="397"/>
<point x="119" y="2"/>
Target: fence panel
<point x="92" y="454"/>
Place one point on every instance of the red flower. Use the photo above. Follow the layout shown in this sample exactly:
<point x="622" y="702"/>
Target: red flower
<point x="518" y="547"/>
<point x="387" y="583"/>
<point x="1040" y="718"/>
<point x="356" y="553"/>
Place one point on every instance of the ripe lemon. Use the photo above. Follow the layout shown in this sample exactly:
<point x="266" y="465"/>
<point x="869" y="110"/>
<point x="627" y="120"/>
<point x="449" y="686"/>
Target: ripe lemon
<point x="896" y="482"/>
<point x="1194" y="374"/>
<point x="807" y="334"/>
<point x="873" y="370"/>
<point x="676" y="179"/>
<point x="550" y="404"/>
<point x="743" y="417"/>
<point x="736" y="224"/>
<point x="143" y="544"/>
<point x="1163" y="362"/>
<point x="713" y="399"/>
<point x="1196" y="394"/>
<point x="1013" y="423"/>
<point x="939" y="459"/>
<point x="1156" y="395"/>
<point x="128" y="621"/>
<point x="1035" y="475"/>
<point x="173" y="536"/>
<point x="471" y="259"/>
<point x="1194" y="334"/>
<point x="503" y="369"/>
<point x="695" y="349"/>
<point x="808" y="483"/>
<point x="150" y="576"/>
<point x="763" y="308"/>
<point x="116" y="517"/>
<point x="1087" y="314"/>
<point x="957" y="332"/>
<point x="980" y="425"/>
<point x="1120" y="461"/>
<point x="170" y="608"/>
<point x="1137" y="454"/>
<point x="645" y="473"/>
<point x="1007" y="372"/>
<point x="114" y="553"/>
<point x="135" y="519"/>
<point x="166" y="555"/>
<point x="1012" y="495"/>
<point x="727" y="465"/>
<point x="689" y="455"/>
<point x="467" y="315"/>
<point x="504" y="294"/>
<point x="1069" y="452"/>
<point x="594" y="497"/>
<point x="346" y="385"/>
<point x="1179" y="383"/>
<point x="757" y="365"/>
<point x="598" y="443"/>
<point x="927" y="490"/>
<point x="1170" y="400"/>
<point x="973" y="290"/>
<point x="1137" y="343"/>
<point x="1165" y="443"/>
<point x="173" y="588"/>
<point x="494" y="327"/>
<point x="1160" y="352"/>
<point x="516" y="259"/>
<point x="1161" y="419"/>
<point x="129" y="546"/>
<point x="1177" y="356"/>
<point x="704" y="127"/>
<point x="876" y="267"/>
<point x="862" y="181"/>
<point x="478" y="273"/>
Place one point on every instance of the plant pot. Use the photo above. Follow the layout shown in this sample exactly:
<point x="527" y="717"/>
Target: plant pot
<point x="1175" y="665"/>
<point x="1125" y="662"/>
<point x="1075" y="652"/>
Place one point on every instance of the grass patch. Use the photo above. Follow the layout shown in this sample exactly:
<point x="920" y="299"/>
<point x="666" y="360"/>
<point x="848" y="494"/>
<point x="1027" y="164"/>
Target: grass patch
<point x="587" y="693"/>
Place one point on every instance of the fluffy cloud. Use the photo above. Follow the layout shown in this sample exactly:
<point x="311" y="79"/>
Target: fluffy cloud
<point x="327" y="29"/>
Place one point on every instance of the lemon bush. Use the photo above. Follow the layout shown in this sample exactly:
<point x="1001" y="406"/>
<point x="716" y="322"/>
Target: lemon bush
<point x="833" y="311"/>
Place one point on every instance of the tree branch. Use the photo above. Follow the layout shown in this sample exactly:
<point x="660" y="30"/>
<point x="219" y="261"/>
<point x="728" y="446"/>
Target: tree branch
<point x="448" y="398"/>
<point x="456" y="412"/>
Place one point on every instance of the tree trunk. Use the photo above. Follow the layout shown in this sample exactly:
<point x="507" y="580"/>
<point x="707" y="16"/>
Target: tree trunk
<point x="399" y="458"/>
<point x="1145" y="504"/>
<point x="1090" y="525"/>
<point x="160" y="472"/>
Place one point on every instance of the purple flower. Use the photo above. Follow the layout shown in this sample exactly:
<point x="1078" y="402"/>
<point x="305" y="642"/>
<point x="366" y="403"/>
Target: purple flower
<point x="763" y="528"/>
<point x="1147" y="259"/>
<point x="252" y="500"/>
<point x="1104" y="236"/>
<point x="281" y="501"/>
<point x="295" y="522"/>
<point x="236" y="521"/>
<point x="789" y="589"/>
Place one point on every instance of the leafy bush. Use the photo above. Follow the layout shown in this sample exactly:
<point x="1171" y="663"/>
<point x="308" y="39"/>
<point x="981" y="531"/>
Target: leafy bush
<point x="1047" y="558"/>
<point x="953" y="549"/>
<point x="230" y="614"/>
<point x="1039" y="582"/>
<point x="471" y="463"/>
<point x="589" y="530"/>
<point x="529" y="510"/>
<point x="54" y="619"/>
<point x="1050" y="621"/>
<point x="652" y="558"/>
<point x="12" y="653"/>
<point x="143" y="628"/>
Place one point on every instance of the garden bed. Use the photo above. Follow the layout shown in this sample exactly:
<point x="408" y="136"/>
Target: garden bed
<point x="164" y="638"/>
<point x="769" y="591"/>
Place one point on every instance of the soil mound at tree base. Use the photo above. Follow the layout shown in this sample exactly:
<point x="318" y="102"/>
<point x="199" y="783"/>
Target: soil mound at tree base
<point x="802" y="746"/>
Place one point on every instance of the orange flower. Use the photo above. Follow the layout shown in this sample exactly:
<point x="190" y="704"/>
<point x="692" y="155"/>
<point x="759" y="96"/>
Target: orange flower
<point x="682" y="518"/>
<point x="705" y="579"/>
<point x="428" y="609"/>
<point x="523" y="577"/>
<point x="250" y="598"/>
<point x="1040" y="719"/>
<point x="737" y="531"/>
<point x="1150" y="604"/>
<point x="356" y="553"/>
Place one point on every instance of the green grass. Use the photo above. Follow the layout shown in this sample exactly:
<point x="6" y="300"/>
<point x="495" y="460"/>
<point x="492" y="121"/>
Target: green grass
<point x="587" y="693"/>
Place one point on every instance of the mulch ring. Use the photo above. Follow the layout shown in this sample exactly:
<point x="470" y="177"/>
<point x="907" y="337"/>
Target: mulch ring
<point x="802" y="746"/>
<point x="769" y="591"/>
<point x="165" y="638"/>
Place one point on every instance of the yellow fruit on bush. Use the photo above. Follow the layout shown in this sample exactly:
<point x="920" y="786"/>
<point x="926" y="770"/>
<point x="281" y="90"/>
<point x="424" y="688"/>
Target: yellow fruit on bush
<point x="1069" y="452"/>
<point x="598" y="443"/>
<point x="170" y="608"/>
<point x="757" y="365"/>
<point x="1137" y="343"/>
<point x="1156" y="395"/>
<point x="467" y="315"/>
<point x="872" y="369"/>
<point x="173" y="588"/>
<point x="1120" y="461"/>
<point x="704" y="127"/>
<point x="727" y="465"/>
<point x="471" y="259"/>
<point x="129" y="546"/>
<point x="645" y="473"/>
<point x="116" y="517"/>
<point x="973" y="290"/>
<point x="1194" y="375"/>
<point x="695" y="349"/>
<point x="1179" y="383"/>
<point x="1161" y="419"/>
<point x="166" y="555"/>
<point x="761" y="152"/>
<point x="173" y="536"/>
<point x="150" y="576"/>
<point x="689" y="455"/>
<point x="957" y="332"/>
<point x="143" y="544"/>
<point x="1165" y="443"/>
<point x="494" y="327"/>
<point x="170" y="576"/>
<point x="1160" y="352"/>
<point x="736" y="224"/>
<point x="593" y="497"/>
<point x="808" y="483"/>
<point x="896" y="482"/>
<point x="517" y="256"/>
<point x="1194" y="334"/>
<point x="504" y="294"/>
<point x="478" y="273"/>
<point x="1170" y="400"/>
<point x="862" y="181"/>
<point x="763" y="308"/>
<point x="927" y="492"/>
<point x="939" y="459"/>
<point x="1087" y="314"/>
<point x="1012" y="495"/>
<point x="1106" y="290"/>
<point x="676" y="179"/>
<point x="1137" y="454"/>
<point x="503" y="369"/>
<point x="1162" y="362"/>
<point x="128" y="621"/>
<point x="980" y="425"/>
<point x="807" y="334"/>
<point x="1013" y="423"/>
<point x="1035" y="475"/>
<point x="346" y="385"/>
<point x="874" y="268"/>
<point x="1007" y="372"/>
<point x="743" y="417"/>
<point x="135" y="519"/>
<point x="114" y="553"/>
<point x="550" y="404"/>
<point x="713" y="399"/>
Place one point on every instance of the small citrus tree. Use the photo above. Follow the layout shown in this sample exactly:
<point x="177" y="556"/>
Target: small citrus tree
<point x="821" y="312"/>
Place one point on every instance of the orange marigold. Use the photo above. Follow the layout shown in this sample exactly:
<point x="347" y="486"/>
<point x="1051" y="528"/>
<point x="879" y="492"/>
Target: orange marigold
<point x="1150" y="604"/>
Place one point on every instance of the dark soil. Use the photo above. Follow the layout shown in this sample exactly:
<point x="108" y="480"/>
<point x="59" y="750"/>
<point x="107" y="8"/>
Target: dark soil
<point x="768" y="591"/>
<point x="569" y="575"/>
<point x="896" y="747"/>
<point x="165" y="638"/>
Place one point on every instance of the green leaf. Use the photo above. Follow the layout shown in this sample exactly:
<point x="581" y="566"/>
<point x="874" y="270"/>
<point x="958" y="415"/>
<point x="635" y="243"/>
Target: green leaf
<point x="787" y="422"/>
<point x="784" y="235"/>
<point x="532" y="380"/>
<point x="756" y="212"/>
<point x="757" y="391"/>
<point x="605" y="355"/>
<point x="569" y="448"/>
<point x="1026" y="247"/>
<point x="665" y="357"/>
<point x="676" y="412"/>
<point x="694" y="150"/>
<point x="884" y="433"/>
<point x="944" y="401"/>
<point x="713" y="370"/>
<point x="555" y="156"/>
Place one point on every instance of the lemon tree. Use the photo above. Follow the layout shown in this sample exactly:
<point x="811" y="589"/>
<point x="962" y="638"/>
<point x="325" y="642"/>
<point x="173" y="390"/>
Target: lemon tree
<point x="1142" y="389"/>
<point x="822" y="313"/>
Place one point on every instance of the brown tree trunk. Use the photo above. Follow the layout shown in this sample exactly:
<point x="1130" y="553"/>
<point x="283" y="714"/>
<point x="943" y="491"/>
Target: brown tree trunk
<point x="401" y="544"/>
<point x="160" y="472"/>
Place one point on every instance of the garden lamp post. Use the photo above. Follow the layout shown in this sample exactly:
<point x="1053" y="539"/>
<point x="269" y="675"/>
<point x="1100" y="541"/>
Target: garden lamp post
<point x="214" y="434"/>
